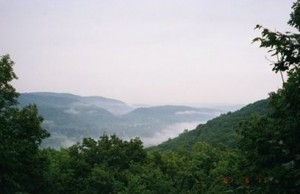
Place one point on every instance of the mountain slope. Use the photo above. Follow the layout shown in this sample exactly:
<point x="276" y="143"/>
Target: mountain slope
<point x="220" y="130"/>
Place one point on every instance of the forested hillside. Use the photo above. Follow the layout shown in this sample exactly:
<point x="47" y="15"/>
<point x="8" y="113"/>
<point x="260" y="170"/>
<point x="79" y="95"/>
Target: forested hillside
<point x="220" y="130"/>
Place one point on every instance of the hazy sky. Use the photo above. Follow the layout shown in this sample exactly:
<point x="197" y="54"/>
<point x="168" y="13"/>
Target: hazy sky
<point x="143" y="51"/>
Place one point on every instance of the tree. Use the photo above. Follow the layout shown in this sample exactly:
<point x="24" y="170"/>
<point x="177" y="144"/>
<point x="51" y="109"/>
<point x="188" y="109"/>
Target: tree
<point x="272" y="143"/>
<point x="8" y="93"/>
<point x="285" y="46"/>
<point x="95" y="166"/>
<point x="21" y="164"/>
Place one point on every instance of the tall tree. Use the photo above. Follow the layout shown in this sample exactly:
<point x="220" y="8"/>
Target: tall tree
<point x="272" y="143"/>
<point x="21" y="164"/>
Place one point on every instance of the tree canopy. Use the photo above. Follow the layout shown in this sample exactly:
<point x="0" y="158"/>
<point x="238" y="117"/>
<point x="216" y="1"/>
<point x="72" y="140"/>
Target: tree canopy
<point x="21" y="165"/>
<point x="272" y="143"/>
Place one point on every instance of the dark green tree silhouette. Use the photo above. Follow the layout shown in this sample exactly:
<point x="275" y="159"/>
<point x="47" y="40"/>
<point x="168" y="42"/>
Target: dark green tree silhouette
<point x="272" y="143"/>
<point x="21" y="165"/>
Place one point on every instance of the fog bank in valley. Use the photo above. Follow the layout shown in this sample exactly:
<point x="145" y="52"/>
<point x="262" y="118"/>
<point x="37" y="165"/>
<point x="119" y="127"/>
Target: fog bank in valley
<point x="170" y="131"/>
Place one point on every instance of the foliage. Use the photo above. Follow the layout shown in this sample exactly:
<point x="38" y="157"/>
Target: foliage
<point x="8" y="94"/>
<point x="111" y="165"/>
<point x="93" y="166"/>
<point x="220" y="130"/>
<point x="21" y="165"/>
<point x="271" y="143"/>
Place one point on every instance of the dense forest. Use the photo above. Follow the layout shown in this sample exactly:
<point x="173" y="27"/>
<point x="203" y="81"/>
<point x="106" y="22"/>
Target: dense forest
<point x="254" y="150"/>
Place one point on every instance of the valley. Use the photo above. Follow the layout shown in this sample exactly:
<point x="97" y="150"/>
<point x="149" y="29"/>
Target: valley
<point x="69" y="118"/>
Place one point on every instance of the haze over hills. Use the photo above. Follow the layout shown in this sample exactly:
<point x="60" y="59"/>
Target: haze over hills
<point x="70" y="100"/>
<point x="69" y="118"/>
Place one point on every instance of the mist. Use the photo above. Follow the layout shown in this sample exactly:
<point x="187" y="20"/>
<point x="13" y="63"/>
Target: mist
<point x="169" y="132"/>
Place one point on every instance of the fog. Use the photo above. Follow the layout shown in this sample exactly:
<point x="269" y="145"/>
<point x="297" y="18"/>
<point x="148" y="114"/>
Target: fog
<point x="170" y="131"/>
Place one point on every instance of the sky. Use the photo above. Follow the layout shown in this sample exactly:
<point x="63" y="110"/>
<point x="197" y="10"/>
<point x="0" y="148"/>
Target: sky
<point x="143" y="51"/>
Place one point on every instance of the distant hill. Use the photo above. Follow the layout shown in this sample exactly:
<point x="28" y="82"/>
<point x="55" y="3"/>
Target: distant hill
<point x="220" y="130"/>
<point x="70" y="100"/>
<point x="69" y="118"/>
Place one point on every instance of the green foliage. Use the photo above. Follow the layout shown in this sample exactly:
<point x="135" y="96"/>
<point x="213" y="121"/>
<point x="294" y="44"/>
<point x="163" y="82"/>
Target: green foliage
<point x="271" y="143"/>
<point x="21" y="164"/>
<point x="220" y="130"/>
<point x="94" y="166"/>
<point x="200" y="170"/>
<point x="285" y="46"/>
<point x="8" y="94"/>
<point x="111" y="165"/>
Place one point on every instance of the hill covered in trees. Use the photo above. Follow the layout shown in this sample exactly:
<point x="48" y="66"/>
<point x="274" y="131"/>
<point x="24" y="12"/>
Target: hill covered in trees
<point x="220" y="130"/>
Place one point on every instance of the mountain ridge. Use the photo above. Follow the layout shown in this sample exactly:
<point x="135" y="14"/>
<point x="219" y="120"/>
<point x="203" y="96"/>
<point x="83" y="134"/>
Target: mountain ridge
<point x="69" y="117"/>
